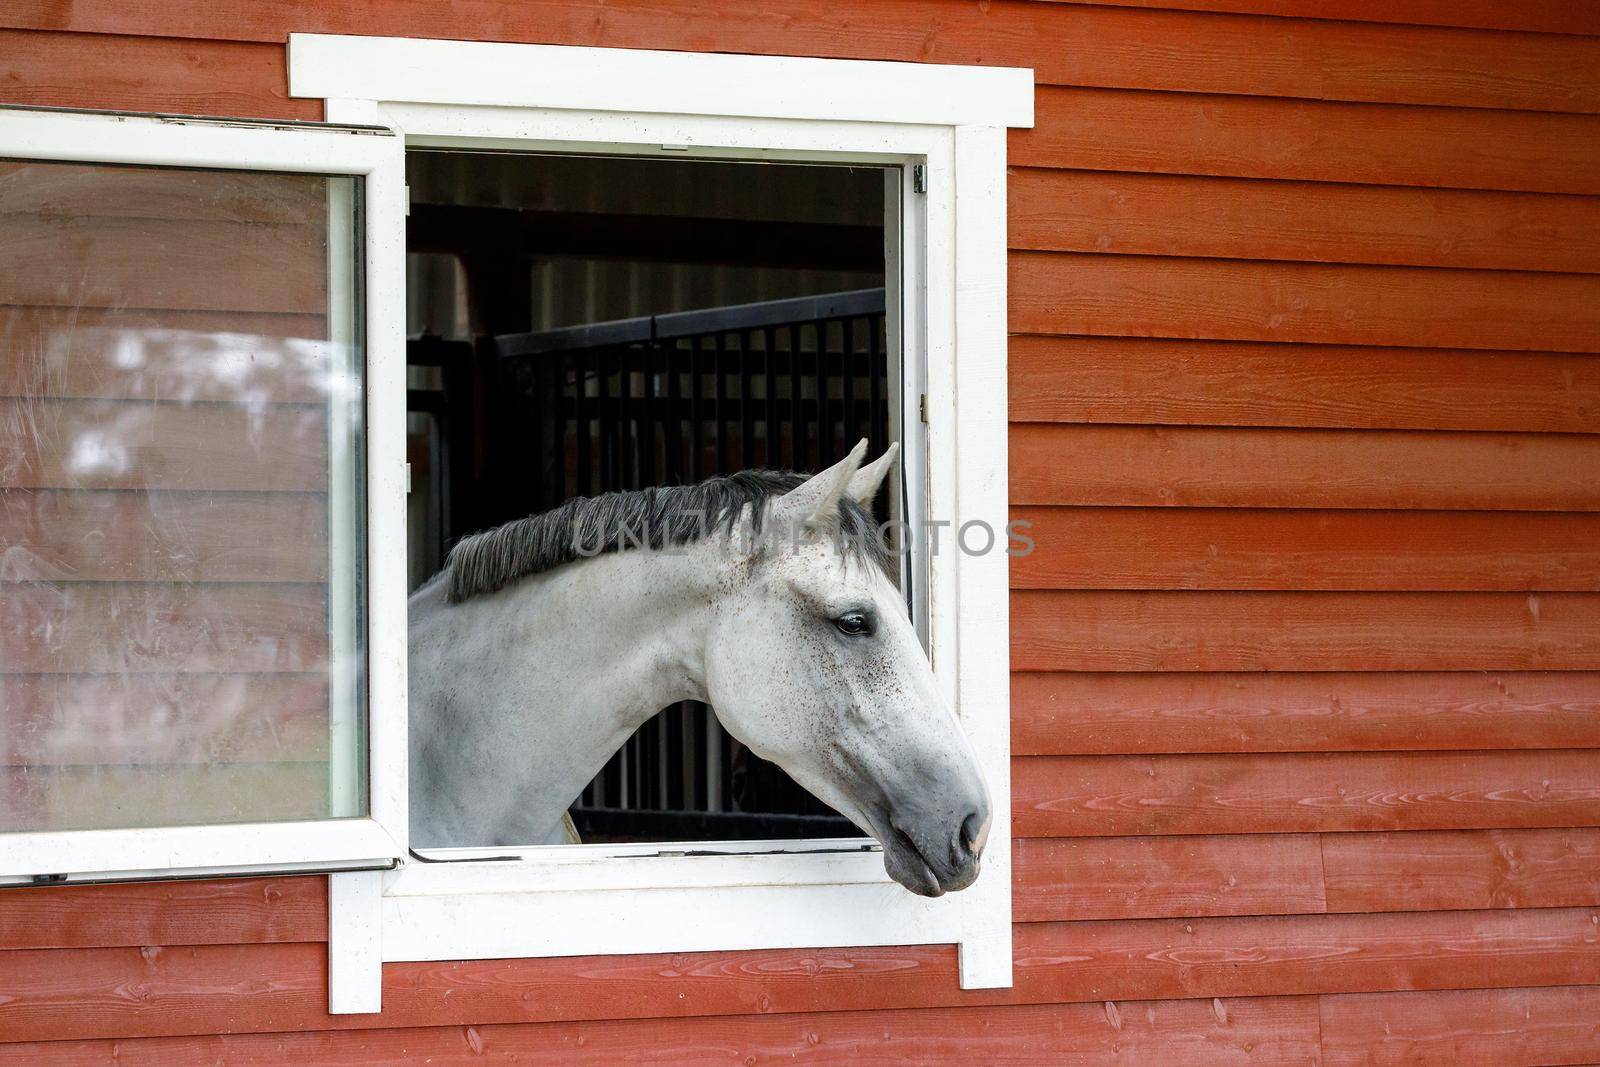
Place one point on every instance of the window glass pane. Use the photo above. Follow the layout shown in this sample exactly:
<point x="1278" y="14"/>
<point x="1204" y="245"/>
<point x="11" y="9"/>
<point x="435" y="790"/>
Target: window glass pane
<point x="180" y="497"/>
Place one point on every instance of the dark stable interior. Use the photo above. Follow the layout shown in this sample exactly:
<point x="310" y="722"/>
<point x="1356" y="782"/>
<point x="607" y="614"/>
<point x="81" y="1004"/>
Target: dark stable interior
<point x="583" y="324"/>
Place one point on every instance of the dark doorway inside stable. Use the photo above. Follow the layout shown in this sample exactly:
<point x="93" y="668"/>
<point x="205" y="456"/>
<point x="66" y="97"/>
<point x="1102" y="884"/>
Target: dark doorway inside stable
<point x="584" y="324"/>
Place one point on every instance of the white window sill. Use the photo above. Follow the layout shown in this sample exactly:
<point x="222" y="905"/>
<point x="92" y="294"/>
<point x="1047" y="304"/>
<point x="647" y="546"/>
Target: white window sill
<point x="589" y="899"/>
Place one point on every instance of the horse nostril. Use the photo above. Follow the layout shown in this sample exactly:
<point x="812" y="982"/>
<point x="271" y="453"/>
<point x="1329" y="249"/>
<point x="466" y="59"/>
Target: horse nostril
<point x="972" y="836"/>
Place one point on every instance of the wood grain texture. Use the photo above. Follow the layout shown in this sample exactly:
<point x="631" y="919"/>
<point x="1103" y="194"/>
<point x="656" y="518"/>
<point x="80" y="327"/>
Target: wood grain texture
<point x="1256" y="137"/>
<point x="93" y="719"/>
<point x="66" y="994"/>
<point x="1544" y="16"/>
<point x="1317" y="303"/>
<point x="78" y="536"/>
<point x="1198" y="52"/>
<point x="222" y="912"/>
<point x="661" y="986"/>
<point x="126" y="992"/>
<point x="222" y="989"/>
<point x="1151" y="49"/>
<point x="190" y="356"/>
<point x="192" y="265"/>
<point x="1466" y="869"/>
<point x="1240" y="1031"/>
<point x="105" y="444"/>
<point x="1117" y="796"/>
<point x="1179" y="215"/>
<point x="1137" y="380"/>
<point x="1110" y="713"/>
<point x="147" y="74"/>
<point x="1299" y="954"/>
<point x="112" y="628"/>
<point x="1108" y="630"/>
<point x="1078" y="878"/>
<point x="1397" y="349"/>
<point x="1229" y="467"/>
<point x="1237" y="548"/>
<point x="1555" y="1024"/>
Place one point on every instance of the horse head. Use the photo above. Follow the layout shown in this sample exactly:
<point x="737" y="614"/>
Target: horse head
<point x="812" y="662"/>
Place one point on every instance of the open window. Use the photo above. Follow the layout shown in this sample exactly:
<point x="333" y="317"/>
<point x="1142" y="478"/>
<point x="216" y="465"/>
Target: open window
<point x="208" y="408"/>
<point x="189" y="481"/>
<point x="582" y="324"/>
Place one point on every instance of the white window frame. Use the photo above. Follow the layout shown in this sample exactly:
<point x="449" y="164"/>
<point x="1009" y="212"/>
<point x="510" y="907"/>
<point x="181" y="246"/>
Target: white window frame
<point x="951" y="122"/>
<point x="375" y="157"/>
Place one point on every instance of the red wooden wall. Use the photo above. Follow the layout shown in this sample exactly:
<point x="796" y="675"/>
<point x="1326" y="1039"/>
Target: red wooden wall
<point x="1304" y="386"/>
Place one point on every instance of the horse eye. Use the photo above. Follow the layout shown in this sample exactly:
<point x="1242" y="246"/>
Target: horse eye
<point x="853" y="624"/>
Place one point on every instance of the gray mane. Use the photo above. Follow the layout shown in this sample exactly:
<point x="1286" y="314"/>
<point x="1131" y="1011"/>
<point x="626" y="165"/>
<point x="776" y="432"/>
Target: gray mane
<point x="653" y="518"/>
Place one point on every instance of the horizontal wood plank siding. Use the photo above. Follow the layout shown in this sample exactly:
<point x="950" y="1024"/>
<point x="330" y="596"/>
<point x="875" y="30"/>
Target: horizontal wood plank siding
<point x="1318" y="303"/>
<point x="1063" y="713"/>
<point x="1079" y="796"/>
<point x="1545" y="16"/>
<point x="1070" y="879"/>
<point x="1234" y="467"/>
<point x="1165" y="50"/>
<point x="81" y="993"/>
<point x="1305" y="390"/>
<point x="1181" y="382"/>
<point x="1225" y="218"/>
<point x="1544" y="1025"/>
<point x="1302" y="140"/>
<point x="245" y="911"/>
<point x="1280" y="1028"/>
<point x="144" y="73"/>
<point x="1159" y="877"/>
<point x="1234" y="548"/>
<point x="1299" y="954"/>
<point x="1477" y="869"/>
<point x="1098" y="630"/>
<point x="1559" y="1024"/>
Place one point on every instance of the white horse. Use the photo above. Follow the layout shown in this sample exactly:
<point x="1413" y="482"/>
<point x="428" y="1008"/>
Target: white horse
<point x="544" y="644"/>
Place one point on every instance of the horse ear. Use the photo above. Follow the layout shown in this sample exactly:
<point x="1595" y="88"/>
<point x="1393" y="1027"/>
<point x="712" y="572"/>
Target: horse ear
<point x="865" y="483"/>
<point x="815" y="502"/>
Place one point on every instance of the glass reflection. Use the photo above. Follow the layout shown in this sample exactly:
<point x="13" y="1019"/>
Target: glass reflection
<point x="180" y="494"/>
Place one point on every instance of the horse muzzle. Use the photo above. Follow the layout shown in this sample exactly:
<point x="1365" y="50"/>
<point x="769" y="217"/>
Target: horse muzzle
<point x="934" y="854"/>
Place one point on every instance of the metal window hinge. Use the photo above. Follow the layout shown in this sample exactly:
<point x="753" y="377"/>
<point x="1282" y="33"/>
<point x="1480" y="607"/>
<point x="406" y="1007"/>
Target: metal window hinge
<point x="919" y="178"/>
<point x="922" y="406"/>
<point x="408" y="200"/>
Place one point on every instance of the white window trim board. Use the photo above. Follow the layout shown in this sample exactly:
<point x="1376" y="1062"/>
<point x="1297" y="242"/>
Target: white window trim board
<point x="581" y="900"/>
<point x="376" y="157"/>
<point x="639" y="81"/>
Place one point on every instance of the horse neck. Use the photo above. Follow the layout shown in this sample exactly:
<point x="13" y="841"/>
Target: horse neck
<point x="561" y="669"/>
